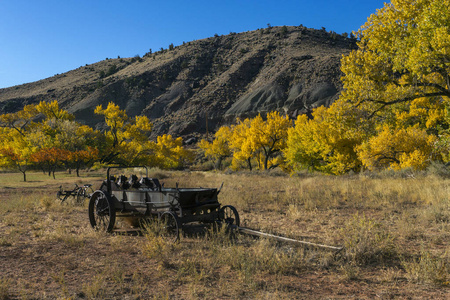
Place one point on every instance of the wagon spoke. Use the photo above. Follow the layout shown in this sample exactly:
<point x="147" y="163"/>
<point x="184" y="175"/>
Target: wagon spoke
<point x="170" y="226"/>
<point x="101" y="212"/>
<point x="229" y="215"/>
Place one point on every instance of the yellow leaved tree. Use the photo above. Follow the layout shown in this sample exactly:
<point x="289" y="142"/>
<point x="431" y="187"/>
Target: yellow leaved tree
<point x="219" y="148"/>
<point x="400" y="76"/>
<point x="327" y="142"/>
<point x="126" y="139"/>
<point x="46" y="136"/>
<point x="16" y="147"/>
<point x="250" y="140"/>
<point x="242" y="145"/>
<point x="170" y="153"/>
<point x="127" y="142"/>
<point x="269" y="136"/>
<point x="15" y="151"/>
<point x="397" y="149"/>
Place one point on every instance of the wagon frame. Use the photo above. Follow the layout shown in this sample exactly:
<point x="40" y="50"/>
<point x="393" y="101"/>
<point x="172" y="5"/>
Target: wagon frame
<point x="174" y="207"/>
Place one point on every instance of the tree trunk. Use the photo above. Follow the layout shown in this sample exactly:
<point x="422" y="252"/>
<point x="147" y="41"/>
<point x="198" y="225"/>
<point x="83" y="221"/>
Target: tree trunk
<point x="24" y="176"/>
<point x="249" y="160"/>
<point x="218" y="165"/>
<point x="266" y="158"/>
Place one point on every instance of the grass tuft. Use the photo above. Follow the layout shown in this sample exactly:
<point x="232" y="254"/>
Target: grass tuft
<point x="428" y="268"/>
<point x="367" y="241"/>
<point x="5" y="283"/>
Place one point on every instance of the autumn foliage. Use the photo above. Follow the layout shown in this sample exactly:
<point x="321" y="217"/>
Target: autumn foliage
<point x="56" y="141"/>
<point x="394" y="111"/>
<point x="252" y="142"/>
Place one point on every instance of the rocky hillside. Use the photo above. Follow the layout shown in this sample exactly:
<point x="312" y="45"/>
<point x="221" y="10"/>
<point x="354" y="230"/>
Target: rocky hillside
<point x="203" y="84"/>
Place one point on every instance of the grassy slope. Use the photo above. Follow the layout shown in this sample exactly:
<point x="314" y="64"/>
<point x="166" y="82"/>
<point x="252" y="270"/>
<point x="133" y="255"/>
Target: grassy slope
<point x="395" y="232"/>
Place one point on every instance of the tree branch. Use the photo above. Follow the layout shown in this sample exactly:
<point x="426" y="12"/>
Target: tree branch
<point x="401" y="100"/>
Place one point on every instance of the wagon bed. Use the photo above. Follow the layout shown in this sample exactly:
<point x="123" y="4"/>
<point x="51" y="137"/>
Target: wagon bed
<point x="174" y="206"/>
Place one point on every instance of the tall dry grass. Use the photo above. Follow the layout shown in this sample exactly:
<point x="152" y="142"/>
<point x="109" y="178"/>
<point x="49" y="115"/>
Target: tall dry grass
<point x="395" y="230"/>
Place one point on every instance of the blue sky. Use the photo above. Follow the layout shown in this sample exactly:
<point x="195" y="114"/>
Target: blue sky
<point x="41" y="38"/>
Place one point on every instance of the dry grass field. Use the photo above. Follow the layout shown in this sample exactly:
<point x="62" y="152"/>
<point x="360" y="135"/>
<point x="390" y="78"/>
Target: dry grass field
<point x="395" y="231"/>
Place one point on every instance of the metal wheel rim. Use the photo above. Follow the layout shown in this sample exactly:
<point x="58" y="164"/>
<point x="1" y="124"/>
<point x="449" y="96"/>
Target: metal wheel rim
<point x="100" y="213"/>
<point x="84" y="193"/>
<point x="80" y="196"/>
<point x="230" y="215"/>
<point x="170" y="226"/>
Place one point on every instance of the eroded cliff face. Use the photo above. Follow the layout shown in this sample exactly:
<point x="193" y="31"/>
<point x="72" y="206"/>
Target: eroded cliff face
<point x="204" y="83"/>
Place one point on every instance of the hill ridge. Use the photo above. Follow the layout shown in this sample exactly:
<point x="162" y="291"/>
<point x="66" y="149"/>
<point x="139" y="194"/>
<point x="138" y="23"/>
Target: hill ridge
<point x="207" y="82"/>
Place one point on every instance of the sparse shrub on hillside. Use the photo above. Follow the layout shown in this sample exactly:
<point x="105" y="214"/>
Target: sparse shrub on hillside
<point x="333" y="35"/>
<point x="130" y="80"/>
<point x="5" y="284"/>
<point x="111" y="70"/>
<point x="243" y="50"/>
<point x="184" y="64"/>
<point x="220" y="67"/>
<point x="142" y="83"/>
<point x="136" y="58"/>
<point x="284" y="31"/>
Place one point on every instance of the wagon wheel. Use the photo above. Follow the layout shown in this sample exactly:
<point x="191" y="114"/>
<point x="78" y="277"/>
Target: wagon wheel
<point x="83" y="193"/>
<point x="170" y="226"/>
<point x="229" y="215"/>
<point x="102" y="214"/>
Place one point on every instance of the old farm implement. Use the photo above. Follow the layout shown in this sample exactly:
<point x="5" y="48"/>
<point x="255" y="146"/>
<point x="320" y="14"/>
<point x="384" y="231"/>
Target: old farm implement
<point x="175" y="207"/>
<point x="80" y="193"/>
<point x="145" y="198"/>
